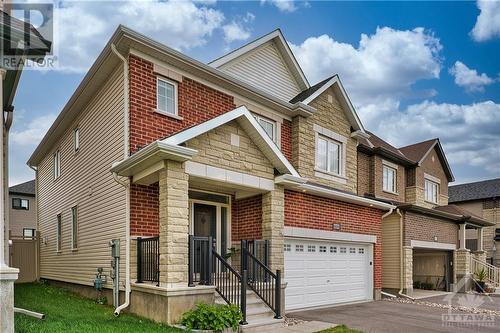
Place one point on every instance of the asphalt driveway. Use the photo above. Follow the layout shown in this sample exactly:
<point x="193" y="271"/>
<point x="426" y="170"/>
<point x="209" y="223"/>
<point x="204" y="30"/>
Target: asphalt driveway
<point x="385" y="316"/>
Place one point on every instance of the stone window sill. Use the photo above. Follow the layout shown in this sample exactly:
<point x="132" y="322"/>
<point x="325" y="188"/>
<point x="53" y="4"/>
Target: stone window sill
<point x="171" y="115"/>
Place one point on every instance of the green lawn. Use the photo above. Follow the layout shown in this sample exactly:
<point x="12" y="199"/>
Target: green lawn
<point x="67" y="312"/>
<point x="340" y="329"/>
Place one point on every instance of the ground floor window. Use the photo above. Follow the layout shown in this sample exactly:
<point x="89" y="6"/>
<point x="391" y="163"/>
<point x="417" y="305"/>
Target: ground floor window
<point x="28" y="233"/>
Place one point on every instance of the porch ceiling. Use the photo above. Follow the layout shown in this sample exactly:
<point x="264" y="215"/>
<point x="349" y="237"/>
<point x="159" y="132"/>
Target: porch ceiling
<point x="239" y="191"/>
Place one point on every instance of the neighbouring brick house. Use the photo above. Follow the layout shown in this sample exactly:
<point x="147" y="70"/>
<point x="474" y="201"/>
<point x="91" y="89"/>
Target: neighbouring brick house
<point x="424" y="237"/>
<point x="482" y="199"/>
<point x="240" y="160"/>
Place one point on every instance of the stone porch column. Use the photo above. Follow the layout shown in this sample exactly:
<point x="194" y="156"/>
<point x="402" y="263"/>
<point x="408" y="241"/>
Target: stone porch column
<point x="462" y="270"/>
<point x="407" y="270"/>
<point x="273" y="222"/>
<point x="480" y="239"/>
<point x="462" y="236"/>
<point x="174" y="224"/>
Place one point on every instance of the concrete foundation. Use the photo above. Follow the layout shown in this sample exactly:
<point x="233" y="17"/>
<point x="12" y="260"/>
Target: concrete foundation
<point x="7" y="277"/>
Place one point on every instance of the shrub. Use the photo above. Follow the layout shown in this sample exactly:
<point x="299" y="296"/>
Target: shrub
<point x="212" y="317"/>
<point x="417" y="284"/>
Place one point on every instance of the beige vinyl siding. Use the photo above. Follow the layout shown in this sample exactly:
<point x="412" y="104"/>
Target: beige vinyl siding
<point x="20" y="218"/>
<point x="265" y="69"/>
<point x="85" y="182"/>
<point x="391" y="244"/>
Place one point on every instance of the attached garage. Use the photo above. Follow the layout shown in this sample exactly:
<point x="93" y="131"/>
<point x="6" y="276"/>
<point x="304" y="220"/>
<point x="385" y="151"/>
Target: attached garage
<point x="327" y="272"/>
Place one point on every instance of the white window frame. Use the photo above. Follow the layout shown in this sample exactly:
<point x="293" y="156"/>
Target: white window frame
<point x="429" y="185"/>
<point x="269" y="121"/>
<point x="329" y="157"/>
<point x="339" y="140"/>
<point x="74" y="227"/>
<point x="33" y="232"/>
<point x="176" y="99"/>
<point x="386" y="187"/>
<point x="59" y="233"/>
<point x="76" y="139"/>
<point x="57" y="164"/>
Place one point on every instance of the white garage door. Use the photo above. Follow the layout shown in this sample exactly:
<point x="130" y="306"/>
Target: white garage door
<point x="324" y="273"/>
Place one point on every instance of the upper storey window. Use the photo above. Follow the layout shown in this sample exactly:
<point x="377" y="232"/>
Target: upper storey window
<point x="329" y="155"/>
<point x="431" y="191"/>
<point x="57" y="164"/>
<point x="166" y="96"/>
<point x="389" y="178"/>
<point x="268" y="125"/>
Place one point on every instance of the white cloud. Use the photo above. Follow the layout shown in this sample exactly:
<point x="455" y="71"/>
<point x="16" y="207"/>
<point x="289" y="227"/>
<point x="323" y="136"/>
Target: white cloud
<point x="236" y="31"/>
<point x="84" y="27"/>
<point x="469" y="78"/>
<point x="469" y="133"/>
<point x="286" y="6"/>
<point x="24" y="137"/>
<point x="30" y="133"/>
<point x="488" y="22"/>
<point x="385" y="64"/>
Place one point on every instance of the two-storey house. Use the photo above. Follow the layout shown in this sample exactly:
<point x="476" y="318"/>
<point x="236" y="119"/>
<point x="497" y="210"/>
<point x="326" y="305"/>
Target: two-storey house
<point x="22" y="210"/>
<point x="213" y="177"/>
<point x="424" y="238"/>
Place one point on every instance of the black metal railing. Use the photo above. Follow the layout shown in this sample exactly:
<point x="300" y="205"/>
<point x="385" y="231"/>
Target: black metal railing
<point x="200" y="260"/>
<point x="265" y="283"/>
<point x="259" y="248"/>
<point x="231" y="285"/>
<point x="148" y="260"/>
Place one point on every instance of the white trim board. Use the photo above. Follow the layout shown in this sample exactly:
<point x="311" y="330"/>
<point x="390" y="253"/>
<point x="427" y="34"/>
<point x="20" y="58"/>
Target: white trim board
<point x="228" y="176"/>
<point x="328" y="235"/>
<point x="432" y="245"/>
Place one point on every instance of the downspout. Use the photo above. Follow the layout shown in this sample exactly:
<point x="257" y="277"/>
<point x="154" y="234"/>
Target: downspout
<point x="7" y="124"/>
<point x="125" y="184"/>
<point x="401" y="260"/>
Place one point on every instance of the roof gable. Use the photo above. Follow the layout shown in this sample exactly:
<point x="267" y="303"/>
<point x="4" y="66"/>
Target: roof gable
<point x="250" y="126"/>
<point x="309" y="95"/>
<point x="266" y="63"/>
<point x="418" y="152"/>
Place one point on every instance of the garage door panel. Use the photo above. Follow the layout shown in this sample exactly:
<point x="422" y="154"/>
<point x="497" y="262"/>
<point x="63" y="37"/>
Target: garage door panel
<point x="324" y="273"/>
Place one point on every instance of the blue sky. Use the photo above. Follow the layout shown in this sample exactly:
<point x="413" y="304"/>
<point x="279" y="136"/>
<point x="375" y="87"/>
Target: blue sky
<point x="414" y="70"/>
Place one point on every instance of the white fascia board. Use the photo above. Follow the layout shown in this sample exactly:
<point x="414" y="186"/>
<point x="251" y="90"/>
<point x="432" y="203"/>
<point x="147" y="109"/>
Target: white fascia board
<point x="300" y="185"/>
<point x="335" y="80"/>
<point x="240" y="112"/>
<point x="156" y="148"/>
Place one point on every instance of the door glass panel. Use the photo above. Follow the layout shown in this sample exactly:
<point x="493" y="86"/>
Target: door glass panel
<point x="205" y="221"/>
<point x="223" y="232"/>
<point x="204" y="196"/>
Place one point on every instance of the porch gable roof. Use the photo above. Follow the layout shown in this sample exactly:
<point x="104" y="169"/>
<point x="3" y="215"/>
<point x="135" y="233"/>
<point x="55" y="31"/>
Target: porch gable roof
<point x="245" y="119"/>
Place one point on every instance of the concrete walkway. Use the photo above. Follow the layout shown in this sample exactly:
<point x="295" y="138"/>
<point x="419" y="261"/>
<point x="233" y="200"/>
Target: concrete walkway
<point x="305" y="327"/>
<point x="421" y="293"/>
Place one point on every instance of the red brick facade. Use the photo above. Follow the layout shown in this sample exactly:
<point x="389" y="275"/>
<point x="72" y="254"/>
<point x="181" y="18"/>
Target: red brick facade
<point x="144" y="210"/>
<point x="196" y="103"/>
<point x="246" y="219"/>
<point x="309" y="211"/>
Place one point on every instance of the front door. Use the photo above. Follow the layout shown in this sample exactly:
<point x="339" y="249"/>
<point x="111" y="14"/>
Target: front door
<point x="211" y="219"/>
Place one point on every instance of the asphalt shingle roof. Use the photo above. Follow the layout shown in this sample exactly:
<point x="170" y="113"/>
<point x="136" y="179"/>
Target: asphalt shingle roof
<point x="27" y="188"/>
<point x="475" y="191"/>
<point x="308" y="92"/>
<point x="417" y="151"/>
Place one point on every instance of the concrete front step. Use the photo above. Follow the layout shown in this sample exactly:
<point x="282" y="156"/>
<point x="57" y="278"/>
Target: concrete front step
<point x="262" y="325"/>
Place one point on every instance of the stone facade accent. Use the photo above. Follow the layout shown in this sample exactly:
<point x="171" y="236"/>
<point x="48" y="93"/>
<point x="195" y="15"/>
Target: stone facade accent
<point x="174" y="224"/>
<point x="215" y="149"/>
<point x="462" y="269"/>
<point x="408" y="269"/>
<point x="308" y="211"/>
<point x="425" y="228"/>
<point x="331" y="116"/>
<point x="273" y="222"/>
